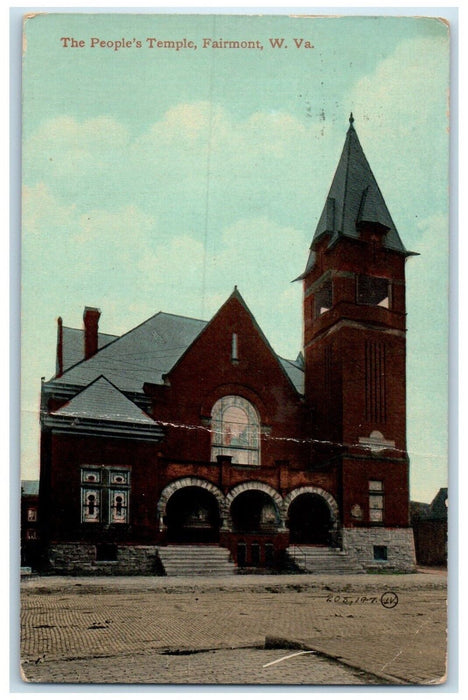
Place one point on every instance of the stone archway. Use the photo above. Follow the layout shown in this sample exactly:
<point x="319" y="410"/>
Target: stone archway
<point x="255" y="507"/>
<point x="312" y="515"/>
<point x="191" y="509"/>
<point x="257" y="486"/>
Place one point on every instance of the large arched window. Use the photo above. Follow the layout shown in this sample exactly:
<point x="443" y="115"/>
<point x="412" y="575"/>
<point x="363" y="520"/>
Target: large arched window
<point x="235" y="430"/>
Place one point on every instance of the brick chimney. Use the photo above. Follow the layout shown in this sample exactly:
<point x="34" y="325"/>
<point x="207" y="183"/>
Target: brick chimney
<point x="59" y="362"/>
<point x="91" y="323"/>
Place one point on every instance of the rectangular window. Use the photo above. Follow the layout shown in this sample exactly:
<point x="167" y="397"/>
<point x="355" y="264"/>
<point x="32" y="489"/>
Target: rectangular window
<point x="234" y="349"/>
<point x="376" y="501"/>
<point x="32" y="515"/>
<point x="91" y="505"/>
<point x="91" y="476"/>
<point x="380" y="553"/>
<point x="118" y="506"/>
<point x="118" y="477"/>
<point x="106" y="552"/>
<point x="105" y="495"/>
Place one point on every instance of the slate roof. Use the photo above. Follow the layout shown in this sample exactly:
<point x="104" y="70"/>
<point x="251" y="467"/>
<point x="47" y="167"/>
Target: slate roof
<point x="436" y="510"/>
<point x="102" y="401"/>
<point x="354" y="198"/>
<point x="144" y="354"/>
<point x="73" y="345"/>
<point x="148" y="352"/>
<point x="419" y="511"/>
<point x="438" y="506"/>
<point x="295" y="373"/>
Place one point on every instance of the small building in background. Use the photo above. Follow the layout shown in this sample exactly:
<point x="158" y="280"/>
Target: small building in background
<point x="30" y="524"/>
<point x="430" y="522"/>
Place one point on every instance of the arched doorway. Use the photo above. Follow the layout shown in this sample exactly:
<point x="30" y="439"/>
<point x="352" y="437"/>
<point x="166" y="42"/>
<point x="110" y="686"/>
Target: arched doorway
<point x="192" y="515"/>
<point x="310" y="520"/>
<point x="254" y="511"/>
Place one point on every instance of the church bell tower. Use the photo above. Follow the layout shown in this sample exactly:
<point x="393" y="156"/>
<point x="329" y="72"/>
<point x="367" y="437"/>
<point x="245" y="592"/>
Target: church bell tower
<point x="355" y="361"/>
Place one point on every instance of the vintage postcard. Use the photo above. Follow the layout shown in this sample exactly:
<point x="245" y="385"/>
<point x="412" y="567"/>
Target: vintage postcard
<point x="234" y="349"/>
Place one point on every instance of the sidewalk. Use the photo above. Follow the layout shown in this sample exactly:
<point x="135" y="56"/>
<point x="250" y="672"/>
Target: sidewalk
<point x="77" y="628"/>
<point x="423" y="578"/>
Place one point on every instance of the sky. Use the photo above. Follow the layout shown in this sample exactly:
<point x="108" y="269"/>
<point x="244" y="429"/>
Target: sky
<point x="156" y="179"/>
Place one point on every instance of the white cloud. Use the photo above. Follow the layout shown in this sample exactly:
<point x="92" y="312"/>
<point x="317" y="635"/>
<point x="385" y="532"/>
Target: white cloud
<point x="41" y="211"/>
<point x="403" y="109"/>
<point x="266" y="160"/>
<point x="63" y="147"/>
<point x="115" y="228"/>
<point x="411" y="77"/>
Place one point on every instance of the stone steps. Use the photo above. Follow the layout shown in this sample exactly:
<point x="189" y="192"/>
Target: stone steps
<point x="321" y="560"/>
<point x="196" y="560"/>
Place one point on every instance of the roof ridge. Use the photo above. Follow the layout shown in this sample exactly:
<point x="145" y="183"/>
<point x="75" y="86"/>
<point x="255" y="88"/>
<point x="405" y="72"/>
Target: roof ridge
<point x="187" y="318"/>
<point x="348" y="158"/>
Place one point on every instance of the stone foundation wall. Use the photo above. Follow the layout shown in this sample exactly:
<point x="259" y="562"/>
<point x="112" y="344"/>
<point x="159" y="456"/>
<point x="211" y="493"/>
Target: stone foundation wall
<point x="396" y="543"/>
<point x="80" y="559"/>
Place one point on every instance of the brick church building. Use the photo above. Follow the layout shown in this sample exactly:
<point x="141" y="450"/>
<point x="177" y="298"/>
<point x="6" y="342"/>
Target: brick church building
<point x="184" y="438"/>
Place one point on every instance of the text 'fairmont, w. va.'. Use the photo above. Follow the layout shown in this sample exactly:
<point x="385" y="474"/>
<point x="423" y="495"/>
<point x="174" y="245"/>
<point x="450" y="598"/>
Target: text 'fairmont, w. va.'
<point x="69" y="42"/>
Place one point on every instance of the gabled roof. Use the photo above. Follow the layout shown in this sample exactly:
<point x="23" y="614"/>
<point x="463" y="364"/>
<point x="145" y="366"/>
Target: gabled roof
<point x="291" y="368"/>
<point x="148" y="352"/>
<point x="73" y="345"/>
<point x="354" y="198"/>
<point x="102" y="401"/>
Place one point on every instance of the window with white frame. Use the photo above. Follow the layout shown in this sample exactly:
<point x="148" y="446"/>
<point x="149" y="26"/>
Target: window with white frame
<point x="118" y="496"/>
<point x="105" y="495"/>
<point x="376" y="501"/>
<point x="235" y="430"/>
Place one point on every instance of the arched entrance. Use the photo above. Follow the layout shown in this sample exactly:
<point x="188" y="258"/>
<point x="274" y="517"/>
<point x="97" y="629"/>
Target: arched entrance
<point x="192" y="515"/>
<point x="255" y="516"/>
<point x="312" y="516"/>
<point x="309" y="520"/>
<point x="254" y="511"/>
<point x="254" y="507"/>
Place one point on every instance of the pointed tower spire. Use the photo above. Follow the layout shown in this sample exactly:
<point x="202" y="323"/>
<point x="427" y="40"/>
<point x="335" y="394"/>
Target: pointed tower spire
<point x="354" y="199"/>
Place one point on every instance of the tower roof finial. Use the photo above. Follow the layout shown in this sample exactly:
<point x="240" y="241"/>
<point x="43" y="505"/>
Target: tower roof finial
<point x="351" y="118"/>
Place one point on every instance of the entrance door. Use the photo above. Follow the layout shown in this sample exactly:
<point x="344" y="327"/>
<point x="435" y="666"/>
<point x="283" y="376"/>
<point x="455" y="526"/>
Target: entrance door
<point x="309" y="520"/>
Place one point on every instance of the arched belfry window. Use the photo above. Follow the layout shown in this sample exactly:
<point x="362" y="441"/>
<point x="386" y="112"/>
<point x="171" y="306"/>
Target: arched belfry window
<point x="235" y="429"/>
